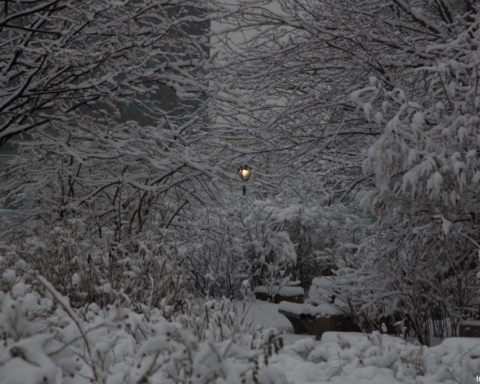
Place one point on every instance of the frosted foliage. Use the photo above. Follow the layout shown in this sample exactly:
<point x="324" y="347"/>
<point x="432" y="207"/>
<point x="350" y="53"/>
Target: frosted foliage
<point x="206" y="342"/>
<point x="97" y="59"/>
<point x="113" y="96"/>
<point x="255" y="243"/>
<point x="385" y="104"/>
<point x="90" y="270"/>
<point x="402" y="76"/>
<point x="381" y="358"/>
<point x="272" y="226"/>
<point x="428" y="150"/>
<point x="9" y="276"/>
<point x="425" y="165"/>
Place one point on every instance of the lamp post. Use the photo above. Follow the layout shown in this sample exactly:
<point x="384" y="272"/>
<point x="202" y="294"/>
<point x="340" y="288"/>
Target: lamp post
<point x="244" y="173"/>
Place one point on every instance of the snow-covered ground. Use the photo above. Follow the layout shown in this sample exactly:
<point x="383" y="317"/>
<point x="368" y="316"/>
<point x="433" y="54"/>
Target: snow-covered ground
<point x="205" y="344"/>
<point x="354" y="358"/>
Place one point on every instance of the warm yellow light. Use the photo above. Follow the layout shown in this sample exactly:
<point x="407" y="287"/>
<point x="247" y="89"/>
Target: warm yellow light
<point x="244" y="173"/>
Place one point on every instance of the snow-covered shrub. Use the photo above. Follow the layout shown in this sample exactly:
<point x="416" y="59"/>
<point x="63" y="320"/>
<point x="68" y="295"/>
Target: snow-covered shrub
<point x="270" y="242"/>
<point x="142" y="274"/>
<point x="120" y="153"/>
<point x="377" y="283"/>
<point x="243" y="246"/>
<point x="46" y="340"/>
<point x="424" y="263"/>
<point x="262" y="242"/>
<point x="346" y="357"/>
<point x="359" y="287"/>
<point x="317" y="231"/>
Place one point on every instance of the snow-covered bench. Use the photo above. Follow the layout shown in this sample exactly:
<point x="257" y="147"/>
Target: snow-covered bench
<point x="469" y="328"/>
<point x="315" y="320"/>
<point x="320" y="317"/>
<point x="289" y="293"/>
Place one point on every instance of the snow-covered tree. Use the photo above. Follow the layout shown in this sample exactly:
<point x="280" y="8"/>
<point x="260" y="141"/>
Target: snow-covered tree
<point x="113" y="96"/>
<point x="298" y="65"/>
<point x="427" y="172"/>
<point x="98" y="56"/>
<point x="425" y="167"/>
<point x="96" y="83"/>
<point x="327" y="80"/>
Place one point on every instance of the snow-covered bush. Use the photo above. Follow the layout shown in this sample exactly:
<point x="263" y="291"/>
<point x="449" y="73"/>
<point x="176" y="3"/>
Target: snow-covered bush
<point x="46" y="340"/>
<point x="257" y="243"/>
<point x="377" y="358"/>
<point x="115" y="152"/>
<point x="424" y="262"/>
<point x="317" y="232"/>
<point x="381" y="283"/>
<point x="143" y="273"/>
<point x="271" y="242"/>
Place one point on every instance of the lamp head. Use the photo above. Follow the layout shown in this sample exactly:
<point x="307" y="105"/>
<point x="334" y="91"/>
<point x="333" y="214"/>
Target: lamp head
<point x="244" y="173"/>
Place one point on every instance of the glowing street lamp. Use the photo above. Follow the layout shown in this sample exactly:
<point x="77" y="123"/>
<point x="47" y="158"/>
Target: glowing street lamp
<point x="244" y="173"/>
